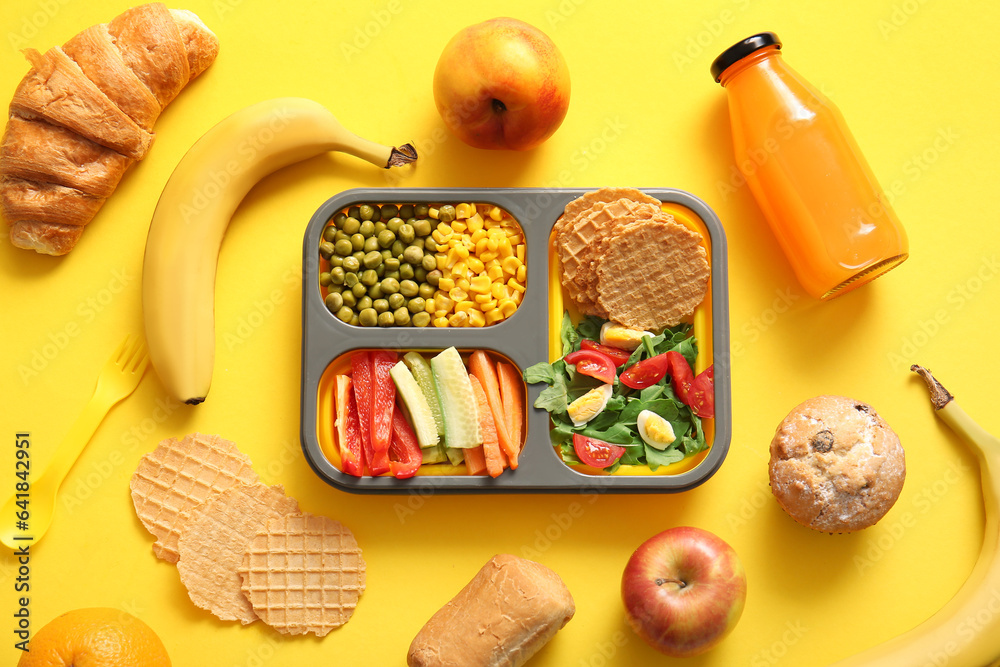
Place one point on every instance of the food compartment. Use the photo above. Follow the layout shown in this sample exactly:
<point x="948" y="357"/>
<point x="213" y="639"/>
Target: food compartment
<point x="433" y="391"/>
<point x="423" y="264"/>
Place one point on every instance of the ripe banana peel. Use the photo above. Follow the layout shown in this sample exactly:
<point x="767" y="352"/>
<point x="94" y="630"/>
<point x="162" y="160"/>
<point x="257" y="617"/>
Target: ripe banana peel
<point x="966" y="631"/>
<point x="191" y="216"/>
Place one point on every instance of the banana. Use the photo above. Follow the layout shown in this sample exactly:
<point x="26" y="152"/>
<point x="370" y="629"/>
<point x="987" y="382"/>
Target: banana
<point x="191" y="216"/>
<point x="966" y="631"/>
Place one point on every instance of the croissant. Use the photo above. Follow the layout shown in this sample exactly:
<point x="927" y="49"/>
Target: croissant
<point x="84" y="113"/>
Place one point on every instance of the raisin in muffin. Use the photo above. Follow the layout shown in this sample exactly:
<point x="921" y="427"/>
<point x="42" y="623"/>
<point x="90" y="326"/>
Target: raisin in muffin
<point x="836" y="466"/>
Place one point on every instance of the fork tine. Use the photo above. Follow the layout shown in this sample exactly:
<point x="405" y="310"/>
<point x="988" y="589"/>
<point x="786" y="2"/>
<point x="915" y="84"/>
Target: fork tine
<point x="133" y="349"/>
<point x="121" y="348"/>
<point x="141" y="360"/>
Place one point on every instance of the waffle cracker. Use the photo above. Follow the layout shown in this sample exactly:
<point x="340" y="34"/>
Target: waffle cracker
<point x="588" y="200"/>
<point x="652" y="274"/>
<point x="179" y="475"/>
<point x="214" y="540"/>
<point x="303" y="573"/>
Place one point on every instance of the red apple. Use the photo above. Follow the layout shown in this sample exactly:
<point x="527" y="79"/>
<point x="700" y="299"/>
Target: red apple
<point x="684" y="590"/>
<point x="502" y="84"/>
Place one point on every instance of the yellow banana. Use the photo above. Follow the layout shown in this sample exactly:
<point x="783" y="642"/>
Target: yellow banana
<point x="966" y="631"/>
<point x="182" y="248"/>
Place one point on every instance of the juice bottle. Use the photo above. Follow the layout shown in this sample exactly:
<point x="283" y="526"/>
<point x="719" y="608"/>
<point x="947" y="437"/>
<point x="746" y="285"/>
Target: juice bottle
<point x="805" y="170"/>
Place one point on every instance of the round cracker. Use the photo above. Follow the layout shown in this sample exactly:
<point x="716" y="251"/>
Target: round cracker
<point x="216" y="537"/>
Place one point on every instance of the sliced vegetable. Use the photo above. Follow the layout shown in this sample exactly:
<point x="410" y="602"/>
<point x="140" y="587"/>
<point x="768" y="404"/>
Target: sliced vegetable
<point x="434" y="454"/>
<point x="681" y="375"/>
<point x="593" y="364"/>
<point x="475" y="460"/>
<point x="458" y="403"/>
<point x="348" y="432"/>
<point x="482" y="368"/>
<point x="416" y="404"/>
<point x="421" y="370"/>
<point x="363" y="379"/>
<point x="618" y="355"/>
<point x="702" y="393"/>
<point x="513" y="401"/>
<point x="596" y="453"/>
<point x="405" y="457"/>
<point x="488" y="428"/>
<point x="383" y="400"/>
<point x="647" y="372"/>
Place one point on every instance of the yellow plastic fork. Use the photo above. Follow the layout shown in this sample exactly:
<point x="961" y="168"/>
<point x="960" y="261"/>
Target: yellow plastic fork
<point x="119" y="378"/>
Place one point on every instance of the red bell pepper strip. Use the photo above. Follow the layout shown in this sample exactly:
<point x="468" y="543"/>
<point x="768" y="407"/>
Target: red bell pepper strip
<point x="383" y="401"/>
<point x="348" y="431"/>
<point x="405" y="456"/>
<point x="362" y="374"/>
<point x="702" y="393"/>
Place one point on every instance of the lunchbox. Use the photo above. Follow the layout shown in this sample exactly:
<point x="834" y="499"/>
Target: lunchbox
<point x="530" y="335"/>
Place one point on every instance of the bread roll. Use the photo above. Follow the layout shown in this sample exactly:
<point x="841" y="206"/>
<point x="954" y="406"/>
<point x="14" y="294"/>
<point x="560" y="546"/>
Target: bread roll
<point x="84" y="113"/>
<point x="510" y="609"/>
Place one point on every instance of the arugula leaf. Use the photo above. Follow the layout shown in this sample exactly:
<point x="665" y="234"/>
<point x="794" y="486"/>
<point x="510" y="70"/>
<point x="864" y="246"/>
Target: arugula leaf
<point x="689" y="349"/>
<point x="616" y="434"/>
<point x="554" y="399"/>
<point x="647" y="343"/>
<point x="590" y="327"/>
<point x="540" y="372"/>
<point x="635" y="357"/>
<point x="568" y="335"/>
<point x="664" y="407"/>
<point x="651" y="392"/>
<point x="656" y="457"/>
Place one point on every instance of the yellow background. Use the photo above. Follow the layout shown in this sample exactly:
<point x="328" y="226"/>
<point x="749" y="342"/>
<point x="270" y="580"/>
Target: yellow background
<point x="917" y="84"/>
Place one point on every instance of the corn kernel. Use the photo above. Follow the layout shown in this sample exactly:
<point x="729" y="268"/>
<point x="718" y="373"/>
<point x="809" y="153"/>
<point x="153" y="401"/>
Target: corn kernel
<point x="430" y="306"/>
<point x="464" y="307"/>
<point x="440" y="313"/>
<point x="496" y="290"/>
<point x="481" y="247"/>
<point x="462" y="251"/>
<point x="469" y="245"/>
<point x="440" y="321"/>
<point x="476" y="319"/>
<point x="433" y="213"/>
<point x="505" y="248"/>
<point x="516" y="285"/>
<point x="446" y="284"/>
<point x="495" y="273"/>
<point x="453" y="258"/>
<point x="458" y="270"/>
<point x="507" y="307"/>
<point x="442" y="302"/>
<point x="522" y="274"/>
<point x="487" y="306"/>
<point x="442" y="260"/>
<point x="494" y="316"/>
<point x="439" y="237"/>
<point x="463" y="284"/>
<point x="478" y="235"/>
<point x="442" y="247"/>
<point x="445" y="228"/>
<point x="482" y="298"/>
<point x="458" y="319"/>
<point x="492" y="224"/>
<point x="517" y="296"/>
<point x="463" y="211"/>
<point x="520" y="252"/>
<point x="496" y="214"/>
<point x="510" y="264"/>
<point x="458" y="294"/>
<point x="475" y="265"/>
<point x="480" y="284"/>
<point x="514" y="237"/>
<point x="475" y="223"/>
<point x="492" y="245"/>
<point x="459" y="227"/>
<point x="487" y="257"/>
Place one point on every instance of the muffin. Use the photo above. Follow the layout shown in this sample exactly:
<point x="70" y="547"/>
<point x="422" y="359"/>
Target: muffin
<point x="836" y="466"/>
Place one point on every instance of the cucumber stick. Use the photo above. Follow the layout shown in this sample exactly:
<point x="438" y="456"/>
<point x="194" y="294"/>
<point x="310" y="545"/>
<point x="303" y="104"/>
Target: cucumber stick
<point x="458" y="403"/>
<point x="421" y="371"/>
<point x="416" y="404"/>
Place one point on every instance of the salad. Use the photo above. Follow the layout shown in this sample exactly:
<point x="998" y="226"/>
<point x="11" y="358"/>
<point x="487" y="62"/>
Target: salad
<point x="623" y="397"/>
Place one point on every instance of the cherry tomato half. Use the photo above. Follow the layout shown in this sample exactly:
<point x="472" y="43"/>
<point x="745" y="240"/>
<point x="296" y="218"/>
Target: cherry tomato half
<point x="681" y="374"/>
<point x="592" y="363"/>
<point x="702" y="393"/>
<point x="596" y="453"/>
<point x="646" y="373"/>
<point x="618" y="355"/>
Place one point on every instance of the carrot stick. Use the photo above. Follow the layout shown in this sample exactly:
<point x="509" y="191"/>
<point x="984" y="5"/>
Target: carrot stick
<point x="488" y="429"/>
<point x="513" y="401"/>
<point x="482" y="368"/>
<point x="475" y="460"/>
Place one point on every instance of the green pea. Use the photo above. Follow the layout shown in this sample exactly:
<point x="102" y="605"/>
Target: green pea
<point x="390" y="286"/>
<point x="392" y="274"/>
<point x="421" y="210"/>
<point x="406" y="211"/>
<point x="406" y="233"/>
<point x="339" y="218"/>
<point x="367" y="228"/>
<point x="366" y="211"/>
<point x="380" y="305"/>
<point x="359" y="290"/>
<point x="349" y="299"/>
<point x="351" y="279"/>
<point x="391" y="263"/>
<point x="326" y="249"/>
<point x="368" y="317"/>
<point x="425" y="290"/>
<point x="375" y="291"/>
<point x="413" y="255"/>
<point x="380" y="227"/>
<point x="354" y="212"/>
<point x="421" y="319"/>
<point x="401" y="316"/>
<point x="351" y="226"/>
<point x="343" y="247"/>
<point x="386" y="319"/>
<point x="334" y="301"/>
<point x="364" y="302"/>
<point x="446" y="213"/>
<point x="324" y="279"/>
<point x="358" y="255"/>
<point x="429" y="262"/>
<point x="389" y="211"/>
<point x="340" y="235"/>
<point x="422" y="227"/>
<point x="372" y="259"/>
<point x="380" y="270"/>
<point x="386" y="238"/>
<point x="369" y="278"/>
<point x="354" y="320"/>
<point x="408" y="288"/>
<point x="345" y="314"/>
<point x="357" y="242"/>
<point x="376" y="213"/>
<point x="406" y="271"/>
<point x="397" y="301"/>
<point x="397" y="249"/>
<point x="351" y="264"/>
<point x="434" y="277"/>
<point x="337" y="275"/>
<point x="386" y="255"/>
<point x="420" y="274"/>
<point x="336" y="260"/>
<point x="371" y="244"/>
<point x="329" y="233"/>
<point x="416" y="304"/>
<point x="394" y="224"/>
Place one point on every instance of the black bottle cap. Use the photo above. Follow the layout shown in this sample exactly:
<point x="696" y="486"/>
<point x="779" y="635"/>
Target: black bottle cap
<point x="741" y="50"/>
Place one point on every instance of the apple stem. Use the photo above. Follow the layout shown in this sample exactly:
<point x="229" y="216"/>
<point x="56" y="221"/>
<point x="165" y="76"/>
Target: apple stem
<point x="679" y="582"/>
<point x="498" y="106"/>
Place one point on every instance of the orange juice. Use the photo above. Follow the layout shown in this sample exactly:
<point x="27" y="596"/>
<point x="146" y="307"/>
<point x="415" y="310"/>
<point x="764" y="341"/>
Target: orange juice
<point x="805" y="170"/>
